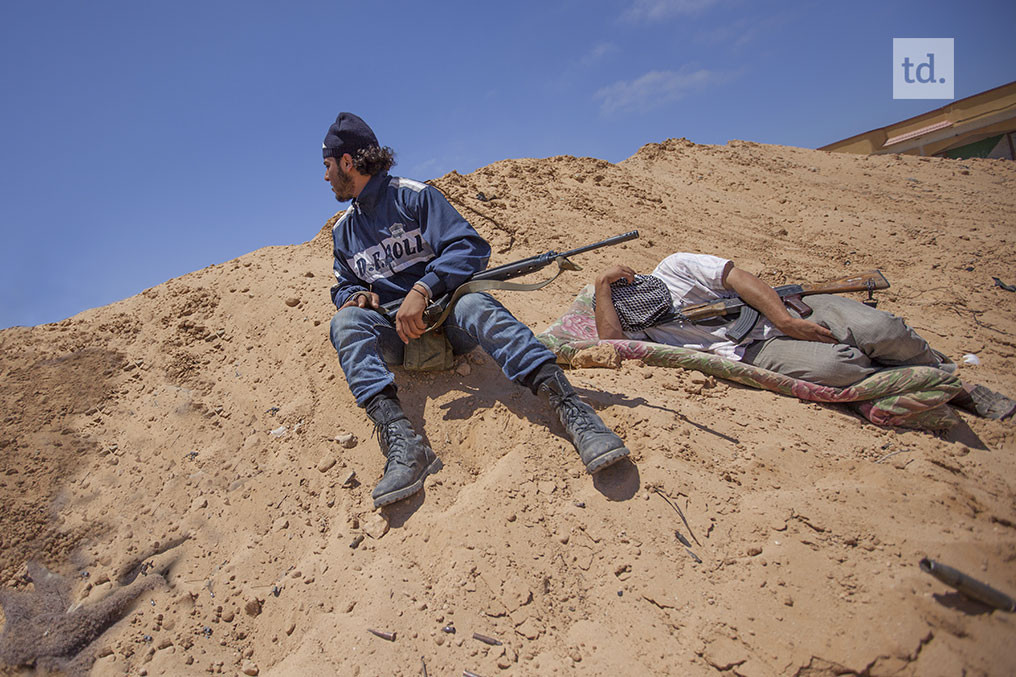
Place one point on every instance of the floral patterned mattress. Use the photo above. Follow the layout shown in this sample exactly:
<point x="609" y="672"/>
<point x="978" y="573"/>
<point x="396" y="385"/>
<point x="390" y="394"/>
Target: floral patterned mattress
<point x="912" y="397"/>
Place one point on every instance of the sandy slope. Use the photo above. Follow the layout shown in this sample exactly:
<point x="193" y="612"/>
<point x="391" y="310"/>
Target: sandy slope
<point x="129" y="426"/>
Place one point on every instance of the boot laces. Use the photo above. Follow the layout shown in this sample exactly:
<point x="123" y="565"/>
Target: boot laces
<point x="395" y="441"/>
<point x="578" y="415"/>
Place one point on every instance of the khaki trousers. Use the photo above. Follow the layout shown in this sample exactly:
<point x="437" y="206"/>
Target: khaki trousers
<point x="867" y="340"/>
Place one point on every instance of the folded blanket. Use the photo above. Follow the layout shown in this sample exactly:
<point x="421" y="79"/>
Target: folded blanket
<point x="912" y="397"/>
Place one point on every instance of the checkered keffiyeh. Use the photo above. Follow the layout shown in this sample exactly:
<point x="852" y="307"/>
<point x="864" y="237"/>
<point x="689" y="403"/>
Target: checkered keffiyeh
<point x="640" y="303"/>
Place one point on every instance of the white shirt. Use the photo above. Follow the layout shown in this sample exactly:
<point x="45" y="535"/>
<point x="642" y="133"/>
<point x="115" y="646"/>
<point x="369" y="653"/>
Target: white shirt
<point x="698" y="278"/>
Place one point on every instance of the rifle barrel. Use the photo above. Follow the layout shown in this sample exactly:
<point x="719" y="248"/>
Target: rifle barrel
<point x="534" y="263"/>
<point x="617" y="239"/>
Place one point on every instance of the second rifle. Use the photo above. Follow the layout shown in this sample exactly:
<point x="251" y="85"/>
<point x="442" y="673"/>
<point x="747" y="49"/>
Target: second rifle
<point x="748" y="317"/>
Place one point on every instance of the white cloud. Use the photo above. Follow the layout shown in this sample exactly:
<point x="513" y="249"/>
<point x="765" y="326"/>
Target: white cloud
<point x="654" y="89"/>
<point x="657" y="10"/>
<point x="599" y="52"/>
<point x="426" y="170"/>
<point x="745" y="30"/>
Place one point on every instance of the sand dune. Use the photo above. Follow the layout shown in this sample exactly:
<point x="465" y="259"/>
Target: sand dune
<point x="194" y="427"/>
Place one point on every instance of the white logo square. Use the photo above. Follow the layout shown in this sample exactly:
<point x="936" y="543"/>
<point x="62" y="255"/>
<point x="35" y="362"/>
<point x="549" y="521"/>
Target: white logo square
<point x="923" y="68"/>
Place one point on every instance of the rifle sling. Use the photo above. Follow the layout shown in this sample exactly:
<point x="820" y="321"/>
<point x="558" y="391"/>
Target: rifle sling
<point x="563" y="264"/>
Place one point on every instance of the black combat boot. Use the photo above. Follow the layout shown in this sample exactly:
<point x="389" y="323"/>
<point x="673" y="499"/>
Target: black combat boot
<point x="598" y="445"/>
<point x="409" y="459"/>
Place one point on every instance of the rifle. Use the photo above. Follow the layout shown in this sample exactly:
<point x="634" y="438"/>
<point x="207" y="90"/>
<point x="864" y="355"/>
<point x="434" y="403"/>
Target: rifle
<point x="496" y="278"/>
<point x="790" y="293"/>
<point x="971" y="587"/>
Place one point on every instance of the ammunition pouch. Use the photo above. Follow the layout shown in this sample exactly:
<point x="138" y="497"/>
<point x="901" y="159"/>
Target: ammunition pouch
<point x="430" y="352"/>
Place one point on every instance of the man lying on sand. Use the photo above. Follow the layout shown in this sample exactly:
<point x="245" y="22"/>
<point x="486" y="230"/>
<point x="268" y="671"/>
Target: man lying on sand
<point x="841" y="342"/>
<point x="401" y="239"/>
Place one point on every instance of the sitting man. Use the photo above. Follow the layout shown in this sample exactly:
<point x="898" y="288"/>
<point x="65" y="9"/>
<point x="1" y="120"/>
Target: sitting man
<point x="401" y="239"/>
<point x="842" y="341"/>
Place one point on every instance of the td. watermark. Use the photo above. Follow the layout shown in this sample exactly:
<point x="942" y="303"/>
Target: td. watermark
<point x="923" y="68"/>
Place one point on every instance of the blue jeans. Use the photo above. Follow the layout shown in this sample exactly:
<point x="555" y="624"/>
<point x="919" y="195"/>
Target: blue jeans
<point x="367" y="342"/>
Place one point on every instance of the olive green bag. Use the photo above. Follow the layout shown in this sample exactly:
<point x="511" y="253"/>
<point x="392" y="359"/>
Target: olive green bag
<point x="430" y="352"/>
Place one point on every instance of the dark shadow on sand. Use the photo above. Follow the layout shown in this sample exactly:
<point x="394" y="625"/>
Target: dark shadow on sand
<point x="609" y="399"/>
<point x="400" y="512"/>
<point x="960" y="602"/>
<point x="964" y="434"/>
<point x="618" y="482"/>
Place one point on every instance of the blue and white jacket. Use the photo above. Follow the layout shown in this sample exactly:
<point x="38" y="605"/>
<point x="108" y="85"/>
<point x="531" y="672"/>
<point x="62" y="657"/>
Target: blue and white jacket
<point x="398" y="232"/>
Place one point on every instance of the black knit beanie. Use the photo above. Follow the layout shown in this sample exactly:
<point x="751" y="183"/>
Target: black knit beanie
<point x="348" y="135"/>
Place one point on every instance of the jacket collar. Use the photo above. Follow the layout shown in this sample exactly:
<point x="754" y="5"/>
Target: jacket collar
<point x="371" y="193"/>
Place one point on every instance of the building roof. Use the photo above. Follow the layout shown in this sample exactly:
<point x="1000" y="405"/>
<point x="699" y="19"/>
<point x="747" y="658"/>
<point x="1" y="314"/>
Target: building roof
<point x="957" y="123"/>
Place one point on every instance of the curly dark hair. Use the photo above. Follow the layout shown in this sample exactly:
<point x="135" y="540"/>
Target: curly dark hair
<point x="374" y="160"/>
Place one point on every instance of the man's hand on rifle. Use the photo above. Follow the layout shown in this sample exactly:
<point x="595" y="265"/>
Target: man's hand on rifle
<point x="806" y="330"/>
<point x="363" y="299"/>
<point x="409" y="319"/>
<point x="764" y="298"/>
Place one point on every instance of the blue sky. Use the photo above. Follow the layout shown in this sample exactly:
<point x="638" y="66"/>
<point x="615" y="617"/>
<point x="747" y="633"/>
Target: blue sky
<point x="145" y="140"/>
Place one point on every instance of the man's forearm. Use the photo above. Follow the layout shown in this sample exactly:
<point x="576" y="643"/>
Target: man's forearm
<point x="422" y="289"/>
<point x="608" y="326"/>
<point x="758" y="295"/>
<point x="764" y="299"/>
